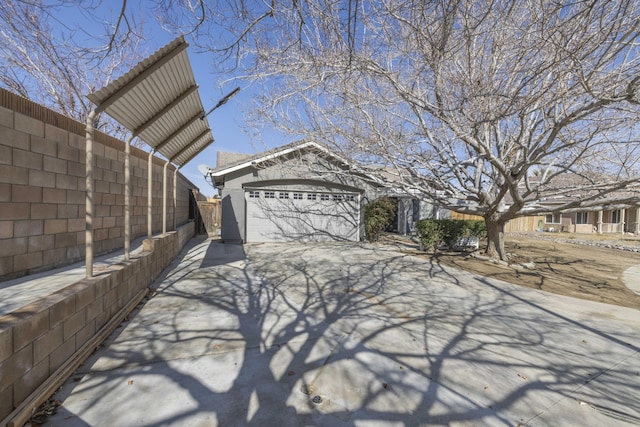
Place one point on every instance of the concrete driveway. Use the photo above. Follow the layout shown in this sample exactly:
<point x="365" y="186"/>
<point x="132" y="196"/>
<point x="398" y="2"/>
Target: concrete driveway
<point x="354" y="335"/>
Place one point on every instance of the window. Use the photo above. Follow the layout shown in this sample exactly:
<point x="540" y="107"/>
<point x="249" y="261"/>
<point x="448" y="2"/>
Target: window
<point x="615" y="216"/>
<point x="254" y="194"/>
<point x="554" y="218"/>
<point x="337" y="197"/>
<point x="283" y="195"/>
<point x="297" y="196"/>
<point x="269" y="195"/>
<point x="350" y="198"/>
<point x="311" y="196"/>
<point x="582" y="218"/>
<point x="325" y="197"/>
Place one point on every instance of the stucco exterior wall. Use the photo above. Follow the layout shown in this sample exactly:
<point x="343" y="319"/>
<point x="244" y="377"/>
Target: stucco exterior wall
<point x="304" y="169"/>
<point x="42" y="190"/>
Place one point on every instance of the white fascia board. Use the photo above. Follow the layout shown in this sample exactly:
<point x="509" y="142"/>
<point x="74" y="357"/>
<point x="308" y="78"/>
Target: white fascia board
<point x="274" y="156"/>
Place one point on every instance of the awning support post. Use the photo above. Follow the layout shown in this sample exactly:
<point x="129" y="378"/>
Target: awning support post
<point x="150" y="194"/>
<point x="175" y="194"/>
<point x="127" y="198"/>
<point x="88" y="234"/>
<point x="164" y="198"/>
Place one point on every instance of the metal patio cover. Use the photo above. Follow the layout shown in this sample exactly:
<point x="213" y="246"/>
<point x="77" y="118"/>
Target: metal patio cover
<point x="158" y="101"/>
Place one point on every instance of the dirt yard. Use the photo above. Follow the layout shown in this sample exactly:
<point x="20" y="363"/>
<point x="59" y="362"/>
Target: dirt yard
<point x="577" y="270"/>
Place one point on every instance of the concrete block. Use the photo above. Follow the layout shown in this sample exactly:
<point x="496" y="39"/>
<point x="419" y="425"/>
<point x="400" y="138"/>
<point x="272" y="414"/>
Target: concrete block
<point x="95" y="308"/>
<point x="55" y="165"/>
<point x="85" y="333"/>
<point x="102" y="187"/>
<point x="6" y="229"/>
<point x="74" y="324"/>
<point x="148" y="245"/>
<point x="41" y="243"/>
<point x="109" y="221"/>
<point x="38" y="178"/>
<point x="98" y="149"/>
<point x="54" y="257"/>
<point x="44" y="345"/>
<point x="5" y="155"/>
<point x="26" y="384"/>
<point x="29" y="125"/>
<point x="5" y="192"/>
<point x="6" y="400"/>
<point x="115" y="233"/>
<point x="6" y="119"/>
<point x="6" y="265"/>
<point x="44" y="146"/>
<point x="77" y="141"/>
<point x="56" y="134"/>
<point x="62" y="353"/>
<point x="6" y="342"/>
<point x="55" y="226"/>
<point x="66" y="182"/>
<point x="14" y="138"/>
<point x="76" y="169"/>
<point x="30" y="227"/>
<point x="103" y="163"/>
<point x="85" y="294"/>
<point x="32" y="321"/>
<point x="26" y="193"/>
<point x="101" y="234"/>
<point x="65" y="240"/>
<point x="75" y="252"/>
<point x="109" y="176"/>
<point x="15" y="211"/>
<point x="17" y="365"/>
<point x="67" y="211"/>
<point x="116" y="188"/>
<point x="76" y="197"/>
<point x="43" y="210"/>
<point x="27" y="159"/>
<point x="55" y="195"/>
<point x="77" y="224"/>
<point x="63" y="308"/>
<point x="69" y="153"/>
<point x="14" y="175"/>
<point x="108" y="199"/>
<point x="27" y="261"/>
<point x="15" y="246"/>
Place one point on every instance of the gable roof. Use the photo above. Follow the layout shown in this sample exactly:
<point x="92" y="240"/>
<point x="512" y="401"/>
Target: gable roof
<point x="275" y="154"/>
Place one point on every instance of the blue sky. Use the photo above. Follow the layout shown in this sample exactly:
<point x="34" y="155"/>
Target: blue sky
<point x="227" y="122"/>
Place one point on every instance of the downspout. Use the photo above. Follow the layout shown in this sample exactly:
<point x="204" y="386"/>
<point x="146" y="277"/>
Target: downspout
<point x="88" y="234"/>
<point x="150" y="194"/>
<point x="127" y="198"/>
<point x="164" y="198"/>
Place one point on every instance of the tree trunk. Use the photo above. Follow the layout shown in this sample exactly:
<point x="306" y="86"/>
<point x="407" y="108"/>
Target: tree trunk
<point x="495" y="238"/>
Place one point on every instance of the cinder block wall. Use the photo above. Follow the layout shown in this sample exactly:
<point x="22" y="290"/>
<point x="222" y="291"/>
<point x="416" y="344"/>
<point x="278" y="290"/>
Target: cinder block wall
<point x="42" y="189"/>
<point x="43" y="343"/>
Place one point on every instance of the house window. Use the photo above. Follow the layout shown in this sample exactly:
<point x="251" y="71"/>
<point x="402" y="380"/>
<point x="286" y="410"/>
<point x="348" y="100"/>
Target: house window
<point x="615" y="216"/>
<point x="283" y="195"/>
<point x="297" y="196"/>
<point x="582" y="218"/>
<point x="311" y="196"/>
<point x="254" y="194"/>
<point x="325" y="197"/>
<point x="554" y="218"/>
<point x="350" y="198"/>
<point x="269" y="195"/>
<point x="337" y="197"/>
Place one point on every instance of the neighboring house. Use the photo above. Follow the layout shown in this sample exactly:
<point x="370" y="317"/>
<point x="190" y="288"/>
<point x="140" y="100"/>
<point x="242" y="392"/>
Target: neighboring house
<point x="298" y="192"/>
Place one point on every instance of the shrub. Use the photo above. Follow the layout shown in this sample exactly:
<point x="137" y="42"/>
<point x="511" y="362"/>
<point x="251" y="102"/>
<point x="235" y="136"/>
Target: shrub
<point x="448" y="232"/>
<point x="378" y="216"/>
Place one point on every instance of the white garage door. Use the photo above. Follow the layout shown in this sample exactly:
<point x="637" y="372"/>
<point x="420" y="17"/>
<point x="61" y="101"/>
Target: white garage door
<point x="280" y="216"/>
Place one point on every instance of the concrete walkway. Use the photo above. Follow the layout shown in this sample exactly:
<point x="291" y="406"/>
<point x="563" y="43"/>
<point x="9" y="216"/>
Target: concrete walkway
<point x="631" y="278"/>
<point x="22" y="291"/>
<point x="354" y="335"/>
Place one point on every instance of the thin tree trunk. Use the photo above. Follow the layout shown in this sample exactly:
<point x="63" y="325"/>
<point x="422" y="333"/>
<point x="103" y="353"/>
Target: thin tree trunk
<point x="495" y="238"/>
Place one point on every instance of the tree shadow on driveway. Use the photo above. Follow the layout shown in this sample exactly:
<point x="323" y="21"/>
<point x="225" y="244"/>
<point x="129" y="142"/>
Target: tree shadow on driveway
<point x="354" y="335"/>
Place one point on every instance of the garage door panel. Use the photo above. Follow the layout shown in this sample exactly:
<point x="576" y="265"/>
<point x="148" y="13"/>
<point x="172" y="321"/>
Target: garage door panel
<point x="272" y="219"/>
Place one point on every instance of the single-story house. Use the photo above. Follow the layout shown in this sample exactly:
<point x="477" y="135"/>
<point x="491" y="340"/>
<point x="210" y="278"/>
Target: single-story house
<point x="298" y="192"/>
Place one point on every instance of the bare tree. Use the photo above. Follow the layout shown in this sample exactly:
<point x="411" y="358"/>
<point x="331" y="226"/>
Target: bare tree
<point x="461" y="101"/>
<point x="48" y="60"/>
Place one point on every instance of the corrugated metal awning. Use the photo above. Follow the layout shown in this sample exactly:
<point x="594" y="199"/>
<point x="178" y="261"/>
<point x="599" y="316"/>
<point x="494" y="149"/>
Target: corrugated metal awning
<point x="158" y="102"/>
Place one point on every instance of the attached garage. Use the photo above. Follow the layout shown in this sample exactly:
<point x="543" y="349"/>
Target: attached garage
<point x="298" y="192"/>
<point x="274" y="215"/>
